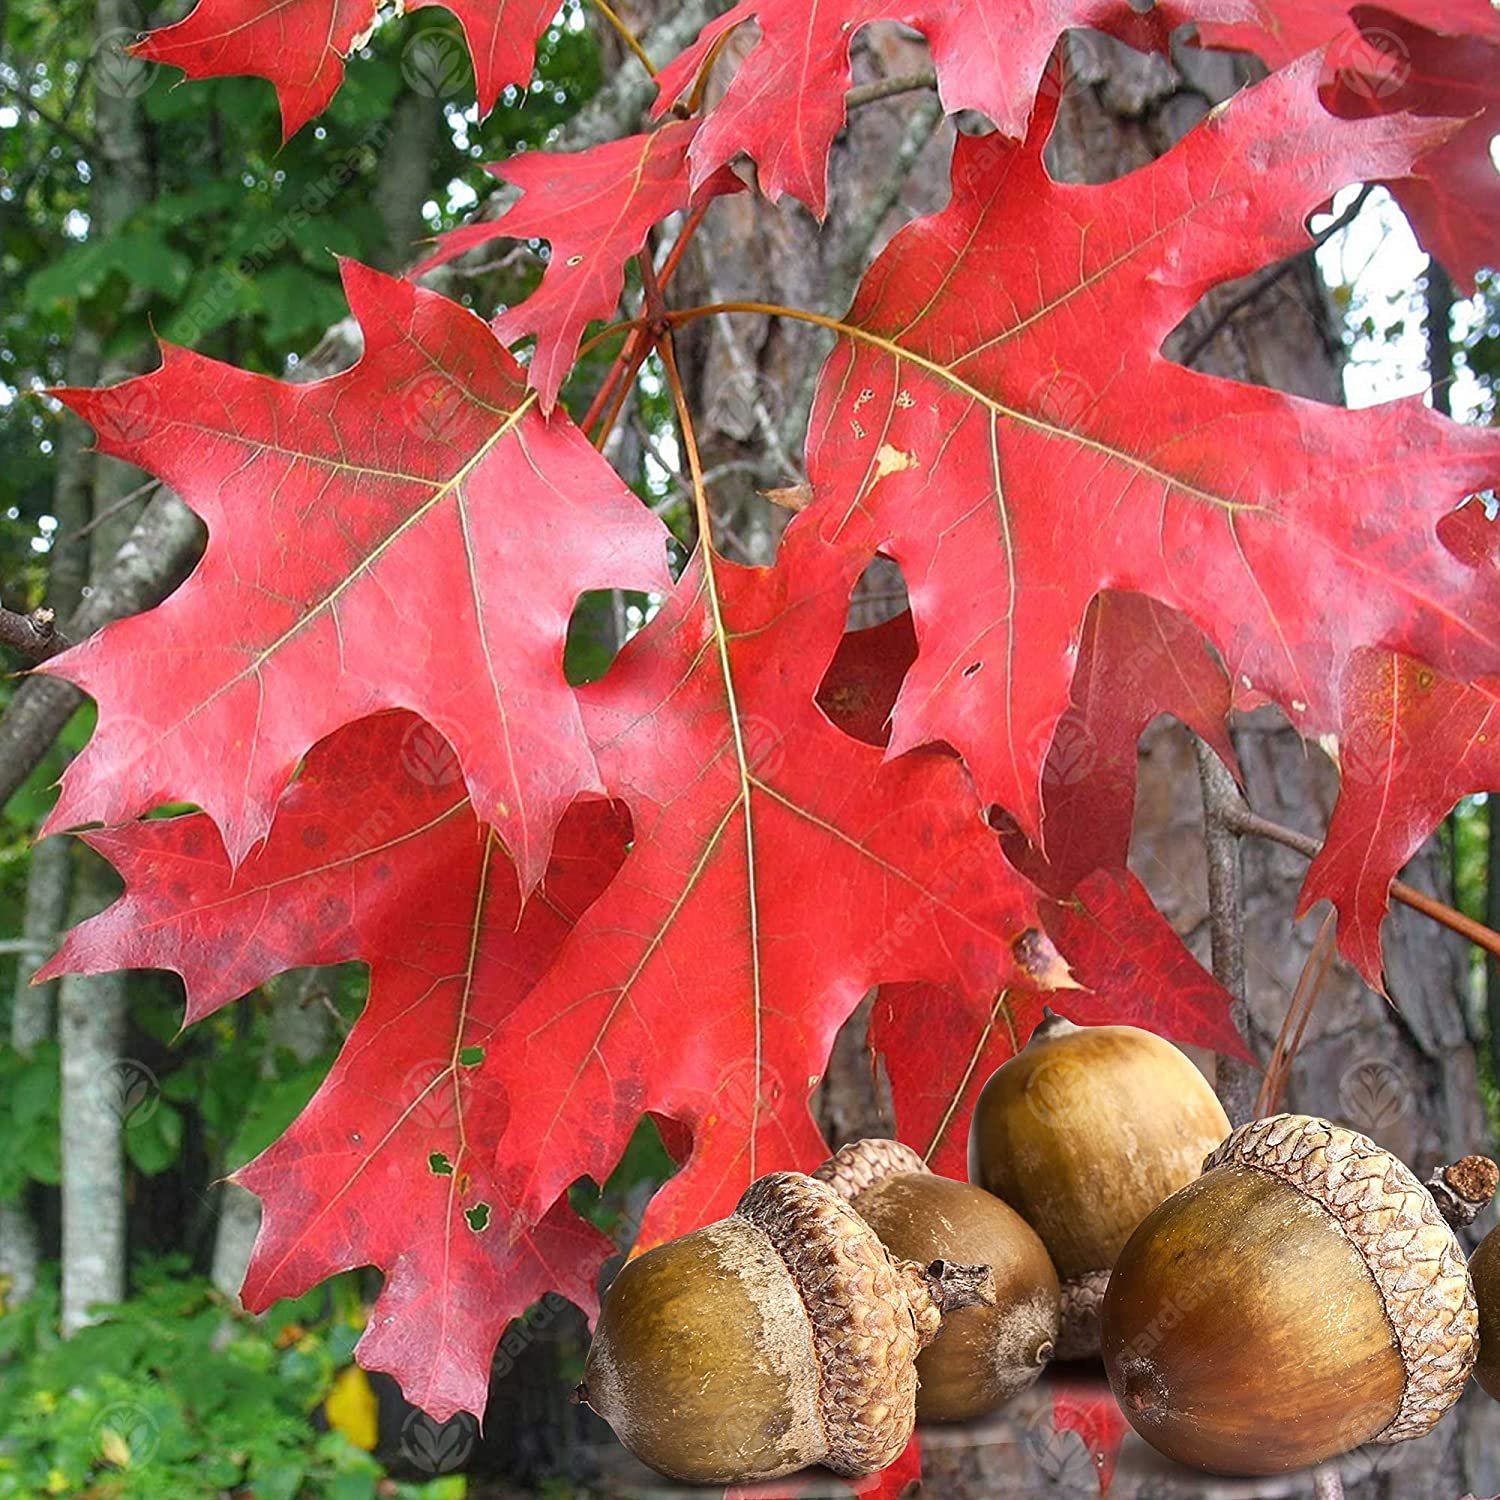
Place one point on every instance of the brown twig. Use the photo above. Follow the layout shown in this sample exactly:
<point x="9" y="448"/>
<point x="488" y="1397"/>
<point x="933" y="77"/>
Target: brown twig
<point x="1294" y="1024"/>
<point x="113" y="509"/>
<point x="1236" y="1082"/>
<point x="1246" y="822"/>
<point x="611" y="394"/>
<point x="1269" y="279"/>
<point x="886" y="88"/>
<point x="1463" y="1189"/>
<point x="34" y="636"/>
<point x="1328" y="1485"/>
<point x="626" y="35"/>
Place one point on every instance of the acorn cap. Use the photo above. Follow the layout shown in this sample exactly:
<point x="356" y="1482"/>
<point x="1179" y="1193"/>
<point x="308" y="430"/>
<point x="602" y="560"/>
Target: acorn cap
<point x="1082" y="1305"/>
<point x="1394" y="1224"/>
<point x="870" y="1313"/>
<point x="861" y="1164"/>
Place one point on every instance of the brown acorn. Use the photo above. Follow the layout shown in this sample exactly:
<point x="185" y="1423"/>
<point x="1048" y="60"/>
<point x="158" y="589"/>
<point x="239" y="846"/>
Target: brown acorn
<point x="983" y="1355"/>
<point x="782" y="1336"/>
<point x="1484" y="1272"/>
<point x="1301" y="1298"/>
<point x="1083" y="1133"/>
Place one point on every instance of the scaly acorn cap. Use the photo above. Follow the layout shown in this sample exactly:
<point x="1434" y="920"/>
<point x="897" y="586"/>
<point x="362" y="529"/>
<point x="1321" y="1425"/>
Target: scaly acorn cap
<point x="861" y="1164"/>
<point x="1393" y="1222"/>
<point x="871" y="1314"/>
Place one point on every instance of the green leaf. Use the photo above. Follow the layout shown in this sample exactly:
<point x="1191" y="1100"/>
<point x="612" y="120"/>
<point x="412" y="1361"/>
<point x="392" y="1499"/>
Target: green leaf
<point x="153" y="1140"/>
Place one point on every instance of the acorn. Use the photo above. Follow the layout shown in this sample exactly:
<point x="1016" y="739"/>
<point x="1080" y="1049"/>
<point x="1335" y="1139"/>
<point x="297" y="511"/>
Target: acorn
<point x="1484" y="1264"/>
<point x="983" y="1355"/>
<point x="1083" y="1133"/>
<point x="782" y="1336"/>
<point x="1301" y="1298"/>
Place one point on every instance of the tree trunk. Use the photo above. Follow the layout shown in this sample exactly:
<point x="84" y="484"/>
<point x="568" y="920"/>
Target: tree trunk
<point x="102" y="1090"/>
<point x="1405" y="1073"/>
<point x="48" y="877"/>
<point x="299" y="1025"/>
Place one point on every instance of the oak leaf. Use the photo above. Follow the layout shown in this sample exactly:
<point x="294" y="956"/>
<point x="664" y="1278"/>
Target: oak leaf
<point x="595" y="208"/>
<point x="411" y="533"/>
<point x="779" y="870"/>
<point x="1422" y="741"/>
<point x="375" y="854"/>
<point x="785" y="104"/>
<point x="301" y="45"/>
<point x="976" y="424"/>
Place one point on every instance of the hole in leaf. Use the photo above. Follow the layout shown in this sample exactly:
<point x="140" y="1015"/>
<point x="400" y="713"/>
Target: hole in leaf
<point x="860" y="687"/>
<point x="439" y="1165"/>
<point x="602" y="621"/>
<point x="972" y="668"/>
<point x="470" y="1057"/>
<point x="648" y="1162"/>
<point x="478" y="1217"/>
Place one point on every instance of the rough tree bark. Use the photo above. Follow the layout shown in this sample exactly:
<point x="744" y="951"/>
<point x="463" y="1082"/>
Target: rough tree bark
<point x="99" y="1087"/>
<point x="298" y="1025"/>
<point x="49" y="876"/>
<point x="1405" y="1073"/>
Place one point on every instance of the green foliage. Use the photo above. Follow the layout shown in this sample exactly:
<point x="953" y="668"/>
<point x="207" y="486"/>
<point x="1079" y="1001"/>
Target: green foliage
<point x="171" y="1397"/>
<point x="29" y="1133"/>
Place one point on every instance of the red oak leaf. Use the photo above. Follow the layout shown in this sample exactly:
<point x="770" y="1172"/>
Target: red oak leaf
<point x="1278" y="31"/>
<point x="779" y="870"/>
<point x="1452" y="195"/>
<point x="411" y="534"/>
<point x="1122" y="950"/>
<point x="300" y="45"/>
<point x="864" y="678"/>
<point x="1431" y="57"/>
<point x="785" y="105"/>
<point x="1422" y="741"/>
<point x="894" y="1482"/>
<point x="375" y="854"/>
<point x="595" y="208"/>
<point x="1136" y="659"/>
<point x="940" y="1048"/>
<point x="973" y="423"/>
<point x="1086" y="1405"/>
